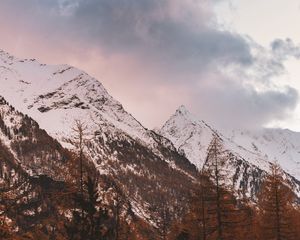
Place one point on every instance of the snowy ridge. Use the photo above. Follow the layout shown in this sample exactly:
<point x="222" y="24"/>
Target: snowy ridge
<point x="192" y="137"/>
<point x="21" y="137"/>
<point x="189" y="135"/>
<point x="251" y="152"/>
<point x="275" y="145"/>
<point x="144" y="163"/>
<point x="56" y="95"/>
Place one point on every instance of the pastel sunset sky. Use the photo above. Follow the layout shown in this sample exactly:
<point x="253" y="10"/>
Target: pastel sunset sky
<point x="233" y="63"/>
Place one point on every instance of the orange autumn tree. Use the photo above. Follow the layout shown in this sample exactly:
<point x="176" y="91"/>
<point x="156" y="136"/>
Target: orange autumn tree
<point x="5" y="228"/>
<point x="194" y="223"/>
<point x="225" y="214"/>
<point x="276" y="209"/>
<point x="6" y="224"/>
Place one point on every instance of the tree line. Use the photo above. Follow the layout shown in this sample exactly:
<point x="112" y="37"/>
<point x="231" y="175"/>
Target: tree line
<point x="85" y="205"/>
<point x="88" y="206"/>
<point x="217" y="214"/>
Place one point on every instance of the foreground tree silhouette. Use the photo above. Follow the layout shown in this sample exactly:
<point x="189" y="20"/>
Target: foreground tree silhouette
<point x="195" y="223"/>
<point x="224" y="215"/>
<point x="79" y="142"/>
<point x="91" y="222"/>
<point x="276" y="207"/>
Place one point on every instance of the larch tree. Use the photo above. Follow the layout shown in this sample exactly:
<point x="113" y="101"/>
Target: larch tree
<point x="79" y="142"/>
<point x="90" y="220"/>
<point x="224" y="215"/>
<point x="197" y="218"/>
<point x="275" y="203"/>
<point x="5" y="228"/>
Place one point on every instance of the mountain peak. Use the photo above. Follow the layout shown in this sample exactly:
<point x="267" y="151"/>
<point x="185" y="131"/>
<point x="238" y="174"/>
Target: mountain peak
<point x="5" y="54"/>
<point x="63" y="93"/>
<point x="184" y="115"/>
<point x="188" y="134"/>
<point x="183" y="110"/>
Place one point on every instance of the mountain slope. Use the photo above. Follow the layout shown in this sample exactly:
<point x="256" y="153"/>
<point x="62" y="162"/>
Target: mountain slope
<point x="29" y="157"/>
<point x="33" y="167"/>
<point x="38" y="178"/>
<point x="249" y="155"/>
<point x="145" y="165"/>
<point x="56" y="95"/>
<point x="28" y="148"/>
<point x="275" y="145"/>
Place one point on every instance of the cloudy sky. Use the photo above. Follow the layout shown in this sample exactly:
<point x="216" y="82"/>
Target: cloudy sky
<point x="233" y="63"/>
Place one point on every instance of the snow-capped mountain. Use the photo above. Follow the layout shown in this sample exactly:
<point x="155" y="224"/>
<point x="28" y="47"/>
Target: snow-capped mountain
<point x="251" y="151"/>
<point x="145" y="164"/>
<point x="192" y="137"/>
<point x="57" y="95"/>
<point x="152" y="168"/>
<point x="275" y="145"/>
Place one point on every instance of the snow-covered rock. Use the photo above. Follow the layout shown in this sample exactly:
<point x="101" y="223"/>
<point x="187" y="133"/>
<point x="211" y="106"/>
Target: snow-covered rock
<point x="144" y="164"/>
<point x="251" y="151"/>
<point x="57" y="95"/>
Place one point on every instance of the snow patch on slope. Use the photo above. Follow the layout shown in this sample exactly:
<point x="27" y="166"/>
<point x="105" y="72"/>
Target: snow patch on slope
<point x="258" y="147"/>
<point x="56" y="95"/>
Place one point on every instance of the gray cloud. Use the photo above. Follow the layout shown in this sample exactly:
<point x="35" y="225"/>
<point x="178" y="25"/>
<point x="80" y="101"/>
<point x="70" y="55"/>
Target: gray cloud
<point x="138" y="27"/>
<point x="147" y="26"/>
<point x="171" y="44"/>
<point x="284" y="49"/>
<point x="243" y="106"/>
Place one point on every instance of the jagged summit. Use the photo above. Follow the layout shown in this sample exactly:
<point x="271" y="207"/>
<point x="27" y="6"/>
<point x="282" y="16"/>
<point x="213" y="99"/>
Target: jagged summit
<point x="56" y="95"/>
<point x="188" y="135"/>
<point x="2" y="52"/>
<point x="185" y="115"/>
<point x="256" y="147"/>
<point x="183" y="110"/>
<point x="192" y="136"/>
